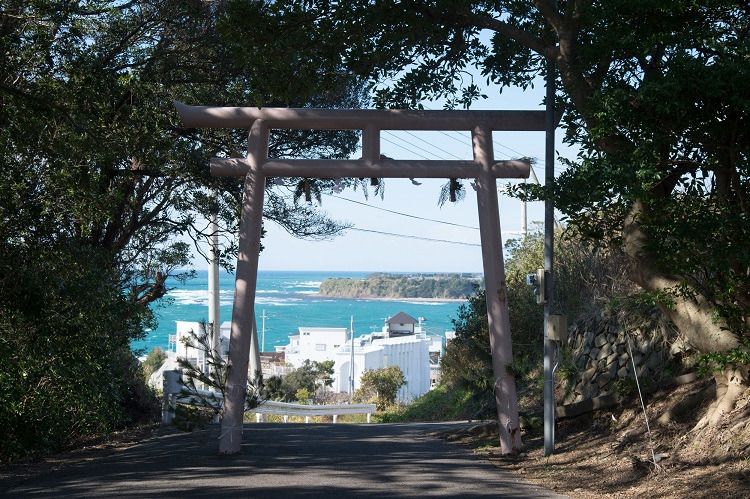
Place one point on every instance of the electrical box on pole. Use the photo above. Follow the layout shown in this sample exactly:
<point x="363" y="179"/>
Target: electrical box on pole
<point x="537" y="283"/>
<point x="557" y="328"/>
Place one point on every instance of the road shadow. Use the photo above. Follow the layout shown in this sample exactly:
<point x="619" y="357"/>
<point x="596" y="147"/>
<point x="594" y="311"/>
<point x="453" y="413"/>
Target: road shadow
<point x="281" y="460"/>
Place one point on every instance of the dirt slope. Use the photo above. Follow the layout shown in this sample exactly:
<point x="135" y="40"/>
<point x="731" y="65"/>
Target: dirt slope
<point x="609" y="453"/>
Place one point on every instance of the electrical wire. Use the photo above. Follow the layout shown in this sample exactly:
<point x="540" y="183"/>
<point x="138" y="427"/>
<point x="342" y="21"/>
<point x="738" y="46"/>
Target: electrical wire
<point x="432" y="145"/>
<point x="403" y="214"/>
<point x="402" y="147"/>
<point x="406" y="236"/>
<point x="414" y="145"/>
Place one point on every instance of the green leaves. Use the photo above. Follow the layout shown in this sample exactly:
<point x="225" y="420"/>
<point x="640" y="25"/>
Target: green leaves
<point x="719" y="362"/>
<point x="100" y="187"/>
<point x="380" y="386"/>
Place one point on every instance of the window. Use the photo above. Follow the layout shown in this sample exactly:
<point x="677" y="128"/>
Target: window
<point x="320" y="347"/>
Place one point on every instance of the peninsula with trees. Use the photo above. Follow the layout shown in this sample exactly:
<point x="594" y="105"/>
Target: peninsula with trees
<point x="401" y="286"/>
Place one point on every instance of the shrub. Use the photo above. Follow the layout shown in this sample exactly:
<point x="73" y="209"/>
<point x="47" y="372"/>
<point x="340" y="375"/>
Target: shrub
<point x="380" y="385"/>
<point x="153" y="362"/>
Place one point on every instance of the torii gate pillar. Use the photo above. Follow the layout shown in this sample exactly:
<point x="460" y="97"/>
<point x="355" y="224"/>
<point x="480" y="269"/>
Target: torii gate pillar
<point x="257" y="166"/>
<point x="496" y="293"/>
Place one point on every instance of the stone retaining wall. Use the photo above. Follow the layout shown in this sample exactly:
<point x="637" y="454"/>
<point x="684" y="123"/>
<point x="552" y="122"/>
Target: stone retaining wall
<point x="600" y="354"/>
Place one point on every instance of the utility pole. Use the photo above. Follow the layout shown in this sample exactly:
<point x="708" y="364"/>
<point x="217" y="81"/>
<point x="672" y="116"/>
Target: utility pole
<point x="523" y="217"/>
<point x="351" y="361"/>
<point x="549" y="238"/>
<point x="214" y="320"/>
<point x="524" y="223"/>
<point x="263" y="331"/>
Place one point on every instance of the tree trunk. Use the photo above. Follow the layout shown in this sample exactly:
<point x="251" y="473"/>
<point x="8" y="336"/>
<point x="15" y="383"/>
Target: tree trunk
<point x="693" y="317"/>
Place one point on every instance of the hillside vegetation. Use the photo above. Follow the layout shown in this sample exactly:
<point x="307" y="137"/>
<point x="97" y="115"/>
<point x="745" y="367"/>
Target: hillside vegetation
<point x="613" y="443"/>
<point x="446" y="286"/>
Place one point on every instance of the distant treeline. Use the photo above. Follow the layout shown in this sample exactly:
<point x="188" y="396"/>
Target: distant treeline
<point x="381" y="285"/>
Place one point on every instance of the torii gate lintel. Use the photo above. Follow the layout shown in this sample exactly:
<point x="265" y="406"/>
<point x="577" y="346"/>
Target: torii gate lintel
<point x="257" y="166"/>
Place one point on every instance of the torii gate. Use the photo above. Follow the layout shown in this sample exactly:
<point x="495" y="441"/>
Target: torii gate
<point x="257" y="166"/>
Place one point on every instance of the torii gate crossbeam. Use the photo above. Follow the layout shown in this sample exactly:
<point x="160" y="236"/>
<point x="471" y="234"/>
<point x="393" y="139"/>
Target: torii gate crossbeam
<point x="256" y="166"/>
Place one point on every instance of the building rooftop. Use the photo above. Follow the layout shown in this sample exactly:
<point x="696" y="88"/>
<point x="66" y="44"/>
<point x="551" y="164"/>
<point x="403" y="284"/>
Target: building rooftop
<point x="402" y="318"/>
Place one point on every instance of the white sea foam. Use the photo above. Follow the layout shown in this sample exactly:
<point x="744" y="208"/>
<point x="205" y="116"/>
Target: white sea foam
<point x="189" y="297"/>
<point x="186" y="297"/>
<point x="261" y="300"/>
<point x="307" y="284"/>
<point x="428" y="303"/>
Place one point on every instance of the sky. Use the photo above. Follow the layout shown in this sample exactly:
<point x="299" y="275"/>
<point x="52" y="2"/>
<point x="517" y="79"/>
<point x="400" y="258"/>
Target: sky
<point x="441" y="247"/>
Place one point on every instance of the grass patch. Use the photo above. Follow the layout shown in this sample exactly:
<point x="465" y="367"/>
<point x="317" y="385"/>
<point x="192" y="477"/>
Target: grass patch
<point x="440" y="404"/>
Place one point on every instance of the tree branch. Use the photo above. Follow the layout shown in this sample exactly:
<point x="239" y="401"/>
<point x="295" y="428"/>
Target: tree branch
<point x="508" y="30"/>
<point x="548" y="8"/>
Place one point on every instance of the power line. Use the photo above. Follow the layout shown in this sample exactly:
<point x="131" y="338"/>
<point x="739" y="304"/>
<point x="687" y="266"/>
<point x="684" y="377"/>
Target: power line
<point x="405" y="236"/>
<point x="411" y="143"/>
<point x="558" y="167"/>
<point x="432" y="145"/>
<point x="497" y="143"/>
<point x="403" y="214"/>
<point x="404" y="148"/>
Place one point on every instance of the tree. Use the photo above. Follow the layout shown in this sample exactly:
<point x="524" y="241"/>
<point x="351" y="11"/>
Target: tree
<point x="65" y="364"/>
<point x="652" y="92"/>
<point x="88" y="117"/>
<point x="100" y="188"/>
<point x="308" y="376"/>
<point x="381" y="385"/>
<point x="153" y="362"/>
<point x="586" y="280"/>
<point x="325" y="371"/>
<point x="210" y="377"/>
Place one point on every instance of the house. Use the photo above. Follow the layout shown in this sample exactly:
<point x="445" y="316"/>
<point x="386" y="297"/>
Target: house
<point x="183" y="345"/>
<point x="402" y="343"/>
<point x="317" y="344"/>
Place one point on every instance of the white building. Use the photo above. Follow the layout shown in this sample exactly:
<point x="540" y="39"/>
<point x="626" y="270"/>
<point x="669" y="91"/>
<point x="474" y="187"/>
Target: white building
<point x="179" y="342"/>
<point x="272" y="364"/>
<point x="402" y="343"/>
<point x="314" y="343"/>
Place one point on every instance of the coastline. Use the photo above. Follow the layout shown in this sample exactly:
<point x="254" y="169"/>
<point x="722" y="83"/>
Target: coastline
<point x="381" y="298"/>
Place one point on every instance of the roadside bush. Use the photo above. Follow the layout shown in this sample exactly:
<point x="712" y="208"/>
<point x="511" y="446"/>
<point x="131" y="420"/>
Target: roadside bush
<point x="380" y="386"/>
<point x="303" y="396"/>
<point x="153" y="362"/>
<point x="66" y="369"/>
<point x="440" y="404"/>
<point x="309" y="376"/>
<point x="586" y="279"/>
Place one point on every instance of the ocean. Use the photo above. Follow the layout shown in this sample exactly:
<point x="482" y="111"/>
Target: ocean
<point x="290" y="299"/>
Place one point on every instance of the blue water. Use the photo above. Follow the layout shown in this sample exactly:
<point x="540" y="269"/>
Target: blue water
<point x="290" y="299"/>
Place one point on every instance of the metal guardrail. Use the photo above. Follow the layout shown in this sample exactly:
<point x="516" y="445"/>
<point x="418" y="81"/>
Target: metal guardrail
<point x="287" y="409"/>
<point x="176" y="393"/>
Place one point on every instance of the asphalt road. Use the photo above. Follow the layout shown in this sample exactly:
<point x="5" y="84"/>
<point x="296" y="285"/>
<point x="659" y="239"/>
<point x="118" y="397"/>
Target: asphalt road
<point x="288" y="460"/>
